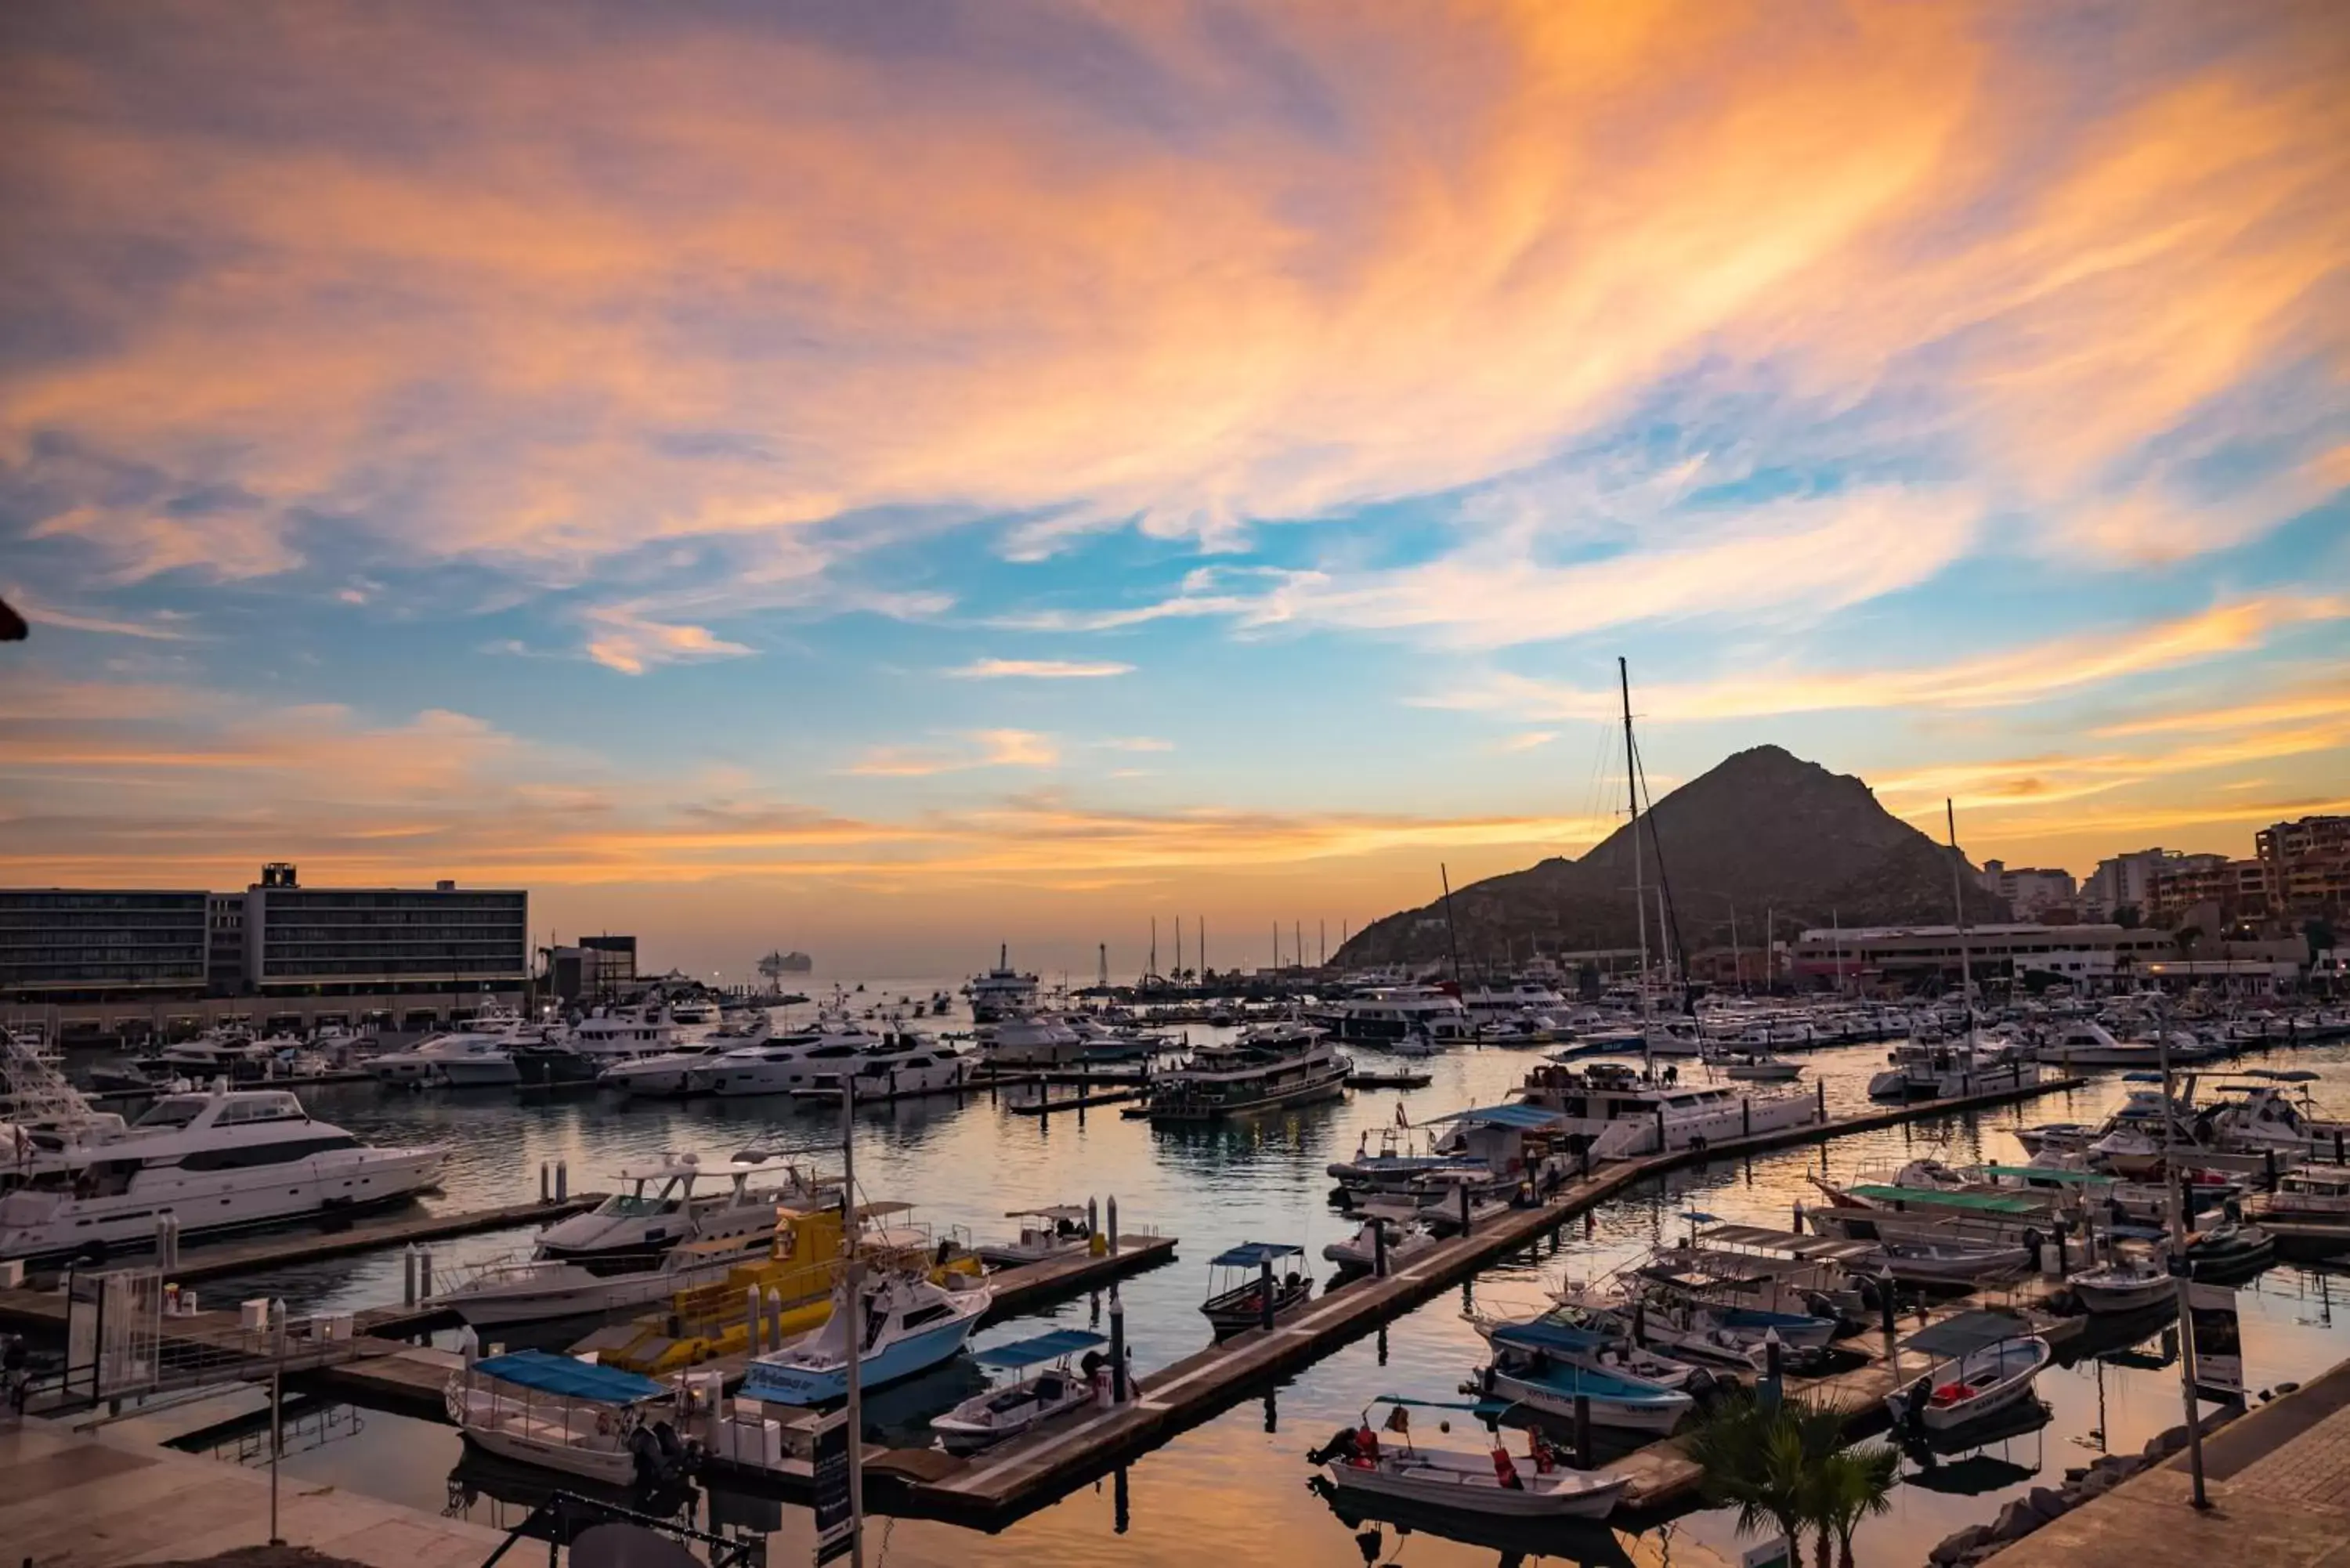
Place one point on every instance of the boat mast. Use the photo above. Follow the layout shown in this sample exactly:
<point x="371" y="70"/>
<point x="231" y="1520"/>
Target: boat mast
<point x="1452" y="941"/>
<point x="853" y="1340"/>
<point x="1958" y="899"/>
<point x="1632" y="793"/>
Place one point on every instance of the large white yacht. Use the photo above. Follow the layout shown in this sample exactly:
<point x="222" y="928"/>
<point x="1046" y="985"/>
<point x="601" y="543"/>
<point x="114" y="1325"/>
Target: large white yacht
<point x="790" y="1062"/>
<point x="1032" y="1040"/>
<point x="480" y="1052"/>
<point x="610" y="1034"/>
<point x="1511" y="997"/>
<point x="1288" y="1064"/>
<point x="901" y="1065"/>
<point x="669" y="1072"/>
<point x="1391" y="1012"/>
<point x="1001" y="991"/>
<point x="1628" y="1114"/>
<point x="218" y="1161"/>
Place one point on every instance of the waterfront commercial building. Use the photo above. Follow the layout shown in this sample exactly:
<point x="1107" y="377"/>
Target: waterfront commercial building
<point x="392" y="942"/>
<point x="593" y="969"/>
<point x="70" y="944"/>
<point x="1909" y="956"/>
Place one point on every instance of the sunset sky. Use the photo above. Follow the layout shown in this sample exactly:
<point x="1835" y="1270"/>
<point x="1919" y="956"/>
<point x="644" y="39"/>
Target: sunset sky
<point x="887" y="478"/>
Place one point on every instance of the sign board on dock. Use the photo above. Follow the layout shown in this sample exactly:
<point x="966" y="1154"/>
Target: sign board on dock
<point x="836" y="1516"/>
<point x="2219" y="1342"/>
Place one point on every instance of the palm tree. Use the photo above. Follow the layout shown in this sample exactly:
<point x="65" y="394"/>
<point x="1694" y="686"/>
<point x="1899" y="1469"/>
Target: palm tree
<point x="1850" y="1486"/>
<point x="1762" y="1461"/>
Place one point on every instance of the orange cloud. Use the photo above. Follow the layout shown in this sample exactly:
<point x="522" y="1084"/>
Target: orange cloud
<point x="1039" y="669"/>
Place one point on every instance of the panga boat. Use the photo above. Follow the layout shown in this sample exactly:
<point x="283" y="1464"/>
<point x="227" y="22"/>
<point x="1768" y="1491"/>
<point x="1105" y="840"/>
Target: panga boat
<point x="1059" y="1231"/>
<point x="1529" y="1369"/>
<point x="908" y="1325"/>
<point x="985" y="1419"/>
<point x="1359" y="1462"/>
<point x="2122" y="1287"/>
<point x="566" y="1415"/>
<point x="1408" y="1236"/>
<point x="1986" y="1362"/>
<point x="1237" y="1282"/>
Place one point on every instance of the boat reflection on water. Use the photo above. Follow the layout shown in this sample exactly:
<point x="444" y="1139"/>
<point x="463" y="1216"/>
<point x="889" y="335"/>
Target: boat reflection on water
<point x="1382" y="1527"/>
<point x="1964" y="1463"/>
<point x="514" y="1490"/>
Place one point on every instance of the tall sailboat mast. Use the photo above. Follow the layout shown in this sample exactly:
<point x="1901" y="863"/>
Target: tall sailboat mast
<point x="1959" y="914"/>
<point x="1632" y="793"/>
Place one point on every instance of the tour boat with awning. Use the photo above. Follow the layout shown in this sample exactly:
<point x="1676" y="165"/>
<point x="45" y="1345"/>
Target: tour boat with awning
<point x="568" y="1414"/>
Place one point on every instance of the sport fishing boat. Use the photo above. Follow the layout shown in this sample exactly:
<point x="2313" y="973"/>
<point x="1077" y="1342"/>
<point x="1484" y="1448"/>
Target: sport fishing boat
<point x="1625" y="1113"/>
<point x="225" y="1160"/>
<point x="1265" y="1068"/>
<point x="986" y="1419"/>
<point x="712" y="1234"/>
<point x="905" y="1325"/>
<point x="1359" y="1463"/>
<point x="568" y="1414"/>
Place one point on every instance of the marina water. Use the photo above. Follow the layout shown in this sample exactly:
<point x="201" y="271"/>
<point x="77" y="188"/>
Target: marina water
<point x="1235" y="1490"/>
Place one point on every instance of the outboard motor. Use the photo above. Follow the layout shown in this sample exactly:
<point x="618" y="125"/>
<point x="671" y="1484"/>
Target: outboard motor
<point x="644" y="1450"/>
<point x="1341" y="1443"/>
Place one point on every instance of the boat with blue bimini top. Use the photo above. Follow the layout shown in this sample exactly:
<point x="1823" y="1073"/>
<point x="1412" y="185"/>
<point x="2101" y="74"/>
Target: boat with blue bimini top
<point x="907" y="1324"/>
<point x="985" y="1419"/>
<point x="1357" y="1461"/>
<point x="570" y="1415"/>
<point x="1531" y="1367"/>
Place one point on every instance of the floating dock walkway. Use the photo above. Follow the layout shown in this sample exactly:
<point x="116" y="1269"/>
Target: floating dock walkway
<point x="1029" y="1472"/>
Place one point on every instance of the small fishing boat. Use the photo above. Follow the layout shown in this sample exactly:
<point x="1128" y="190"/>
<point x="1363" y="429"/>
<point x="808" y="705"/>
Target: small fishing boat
<point x="1059" y="1231"/>
<point x="1985" y="1362"/>
<point x="2122" y="1287"/>
<point x="1759" y="1068"/>
<point x="909" y="1325"/>
<point x="1238" y="1279"/>
<point x="2231" y="1246"/>
<point x="1527" y="1369"/>
<point x="1604" y="1347"/>
<point x="985" y="1419"/>
<point x="566" y="1415"/>
<point x="1357" y="1462"/>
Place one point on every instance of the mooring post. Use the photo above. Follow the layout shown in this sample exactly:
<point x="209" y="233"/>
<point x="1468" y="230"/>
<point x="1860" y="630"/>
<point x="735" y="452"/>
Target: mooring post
<point x="774" y="1317"/>
<point x="1821" y="1086"/>
<point x="1093" y="1215"/>
<point x="408" y="1277"/>
<point x="546" y="1182"/>
<point x="423" y="1273"/>
<point x="1378" y="1248"/>
<point x="1117" y="1348"/>
<point x="1464" y="1208"/>
<point x="750" y="1319"/>
<point x="1264" y="1293"/>
<point x="1110" y="1209"/>
<point x="1746" y="1116"/>
<point x="563" y="1182"/>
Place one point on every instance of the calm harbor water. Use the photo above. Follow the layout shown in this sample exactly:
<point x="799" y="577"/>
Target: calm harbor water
<point x="1234" y="1491"/>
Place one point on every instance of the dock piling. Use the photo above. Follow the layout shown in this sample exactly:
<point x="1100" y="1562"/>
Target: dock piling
<point x="1378" y="1249"/>
<point x="408" y="1277"/>
<point x="1093" y="1214"/>
<point x="751" y="1318"/>
<point x="1117" y="1346"/>
<point x="1264" y="1295"/>
<point x="562" y="1180"/>
<point x="1464" y="1208"/>
<point x="774" y="1317"/>
<point x="423" y="1273"/>
<point x="1110" y="1209"/>
<point x="545" y="1181"/>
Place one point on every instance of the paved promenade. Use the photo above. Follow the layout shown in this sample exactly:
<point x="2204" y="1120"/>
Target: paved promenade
<point x="2278" y="1480"/>
<point x="73" y="1501"/>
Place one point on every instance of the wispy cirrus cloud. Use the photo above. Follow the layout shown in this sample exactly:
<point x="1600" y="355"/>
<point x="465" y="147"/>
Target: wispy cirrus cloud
<point x="2031" y="672"/>
<point x="981" y="749"/>
<point x="620" y="638"/>
<point x="1039" y="669"/>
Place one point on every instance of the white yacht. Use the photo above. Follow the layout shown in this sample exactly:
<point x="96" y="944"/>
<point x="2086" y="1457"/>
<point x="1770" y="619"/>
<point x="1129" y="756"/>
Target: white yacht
<point x="1935" y="1069"/>
<point x="1270" y="1066"/>
<point x="1628" y="1114"/>
<point x="217" y="1161"/>
<point x="610" y="1034"/>
<point x="897" y="1068"/>
<point x="1393" y="1012"/>
<point x="1516" y="997"/>
<point x="1032" y="1040"/>
<point x="671" y="1073"/>
<point x="1001" y="991"/>
<point x="479" y="1052"/>
<point x="792" y="1061"/>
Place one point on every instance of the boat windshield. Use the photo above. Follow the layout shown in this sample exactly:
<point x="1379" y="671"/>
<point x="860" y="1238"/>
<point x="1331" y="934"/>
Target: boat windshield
<point x="638" y="1204"/>
<point x="173" y="1111"/>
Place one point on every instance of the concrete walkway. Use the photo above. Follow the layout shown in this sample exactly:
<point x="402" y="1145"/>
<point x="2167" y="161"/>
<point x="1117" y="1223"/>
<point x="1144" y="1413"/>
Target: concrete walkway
<point x="69" y="1501"/>
<point x="2278" y="1480"/>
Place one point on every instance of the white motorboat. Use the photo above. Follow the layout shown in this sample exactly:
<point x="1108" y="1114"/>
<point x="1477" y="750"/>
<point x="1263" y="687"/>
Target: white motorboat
<point x="901" y="1066"/>
<point x="1030" y="1040"/>
<point x="908" y="1325"/>
<point x="1995" y="1371"/>
<point x="1753" y="1067"/>
<point x="224" y="1160"/>
<point x="1625" y="1115"/>
<point x="2123" y="1287"/>
<point x="985" y="1419"/>
<point x="469" y="1057"/>
<point x="671" y="1074"/>
<point x="1408" y="1236"/>
<point x="1497" y="1483"/>
<point x="566" y="1415"/>
<point x="1062" y="1231"/>
<point x="656" y="1206"/>
<point x="1527" y="1368"/>
<point x="1236" y="1289"/>
<point x="1391" y="1014"/>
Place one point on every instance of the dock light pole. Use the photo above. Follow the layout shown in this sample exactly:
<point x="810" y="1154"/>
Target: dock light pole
<point x="853" y="1278"/>
<point x="2180" y="1271"/>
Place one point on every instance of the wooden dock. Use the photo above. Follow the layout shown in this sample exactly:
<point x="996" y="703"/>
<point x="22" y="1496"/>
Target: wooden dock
<point x="1048" y="1103"/>
<point x="996" y="1487"/>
